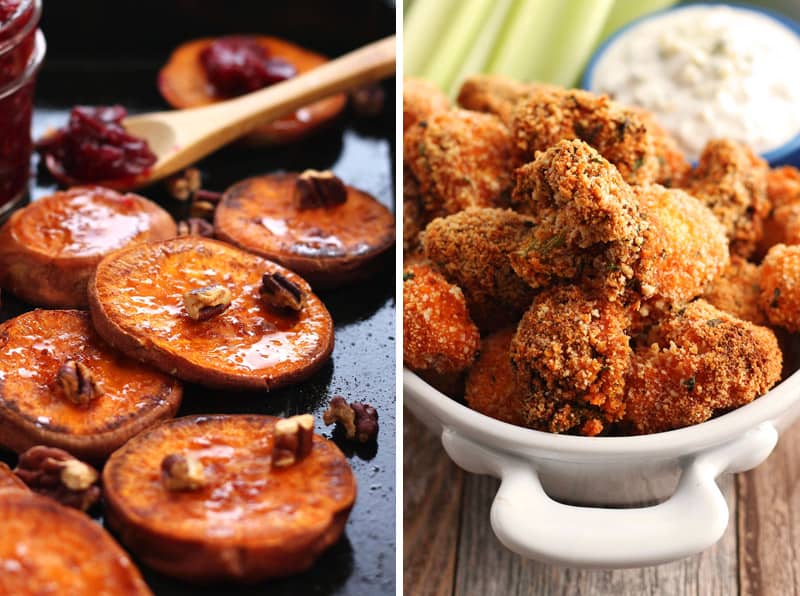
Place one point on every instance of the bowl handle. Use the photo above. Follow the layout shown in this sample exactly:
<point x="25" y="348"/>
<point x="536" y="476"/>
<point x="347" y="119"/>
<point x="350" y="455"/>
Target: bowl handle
<point x="530" y="523"/>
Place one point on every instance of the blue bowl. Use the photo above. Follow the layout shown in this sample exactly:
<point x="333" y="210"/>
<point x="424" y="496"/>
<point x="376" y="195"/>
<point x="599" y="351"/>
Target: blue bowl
<point x="786" y="154"/>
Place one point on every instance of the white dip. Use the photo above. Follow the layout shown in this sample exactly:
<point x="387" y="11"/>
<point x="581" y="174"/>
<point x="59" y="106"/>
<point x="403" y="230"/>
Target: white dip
<point x="709" y="72"/>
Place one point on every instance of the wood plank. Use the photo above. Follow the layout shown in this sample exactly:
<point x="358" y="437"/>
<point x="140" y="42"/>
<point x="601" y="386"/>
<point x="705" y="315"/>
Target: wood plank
<point x="486" y="568"/>
<point x="432" y="488"/>
<point x="769" y="521"/>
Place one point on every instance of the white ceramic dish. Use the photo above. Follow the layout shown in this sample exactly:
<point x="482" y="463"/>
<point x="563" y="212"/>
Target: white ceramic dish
<point x="611" y="483"/>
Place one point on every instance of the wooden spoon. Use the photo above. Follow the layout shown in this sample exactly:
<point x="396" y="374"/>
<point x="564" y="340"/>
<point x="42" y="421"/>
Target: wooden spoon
<point x="181" y="137"/>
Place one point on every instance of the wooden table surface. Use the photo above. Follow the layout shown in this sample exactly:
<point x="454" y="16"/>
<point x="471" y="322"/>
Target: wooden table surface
<point x="449" y="547"/>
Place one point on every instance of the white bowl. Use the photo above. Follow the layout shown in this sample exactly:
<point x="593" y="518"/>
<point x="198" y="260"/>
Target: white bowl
<point x="611" y="483"/>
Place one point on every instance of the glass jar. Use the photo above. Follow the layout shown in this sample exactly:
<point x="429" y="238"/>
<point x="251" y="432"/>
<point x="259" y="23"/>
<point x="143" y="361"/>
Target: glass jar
<point x="22" y="50"/>
<point x="18" y="39"/>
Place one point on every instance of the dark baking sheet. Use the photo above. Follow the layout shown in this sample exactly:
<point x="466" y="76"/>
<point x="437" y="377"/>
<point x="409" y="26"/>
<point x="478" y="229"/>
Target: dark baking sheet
<point x="91" y="60"/>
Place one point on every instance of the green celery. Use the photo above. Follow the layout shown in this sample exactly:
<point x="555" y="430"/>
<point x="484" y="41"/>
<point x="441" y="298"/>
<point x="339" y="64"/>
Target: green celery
<point x="478" y="56"/>
<point x="580" y="24"/>
<point x="464" y="28"/>
<point x="422" y="28"/>
<point x="625" y="11"/>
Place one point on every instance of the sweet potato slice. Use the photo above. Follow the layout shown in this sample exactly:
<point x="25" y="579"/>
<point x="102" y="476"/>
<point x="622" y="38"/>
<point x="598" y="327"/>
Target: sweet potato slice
<point x="49" y="549"/>
<point x="250" y="521"/>
<point x="34" y="408"/>
<point x="183" y="83"/>
<point x="136" y="301"/>
<point x="329" y="246"/>
<point x="10" y="481"/>
<point x="49" y="249"/>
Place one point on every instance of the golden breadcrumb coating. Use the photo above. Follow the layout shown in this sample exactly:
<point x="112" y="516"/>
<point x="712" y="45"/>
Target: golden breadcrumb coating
<point x="732" y="181"/>
<point x="780" y="286"/>
<point x="471" y="250"/>
<point x="684" y="249"/>
<point x="549" y="115"/>
<point x="495" y="94"/>
<point x="737" y="291"/>
<point x="492" y="386"/>
<point x="698" y="362"/>
<point x="587" y="219"/>
<point x="414" y="220"/>
<point x="672" y="164"/>
<point x="782" y="225"/>
<point x="571" y="349"/>
<point x="420" y="100"/>
<point x="438" y="334"/>
<point x="459" y="159"/>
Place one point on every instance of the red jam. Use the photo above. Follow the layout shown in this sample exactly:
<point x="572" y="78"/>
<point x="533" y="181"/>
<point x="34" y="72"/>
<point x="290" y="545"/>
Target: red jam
<point x="22" y="51"/>
<point x="236" y="65"/>
<point x="18" y="19"/>
<point x="95" y="147"/>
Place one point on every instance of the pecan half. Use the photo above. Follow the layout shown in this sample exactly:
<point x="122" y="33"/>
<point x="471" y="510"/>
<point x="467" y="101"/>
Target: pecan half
<point x="183" y="185"/>
<point x="203" y="303"/>
<point x="56" y="474"/>
<point x="315" y="189"/>
<point x="78" y="383"/>
<point x="293" y="440"/>
<point x="182" y="472"/>
<point x="358" y="420"/>
<point x="280" y="292"/>
<point x="195" y="226"/>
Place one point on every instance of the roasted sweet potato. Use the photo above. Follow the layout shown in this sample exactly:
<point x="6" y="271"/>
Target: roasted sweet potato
<point x="35" y="409"/>
<point x="183" y="83"/>
<point x="248" y="520"/>
<point x="49" y="249"/>
<point x="9" y="480"/>
<point x="136" y="299"/>
<point x="49" y="549"/>
<point x="329" y="246"/>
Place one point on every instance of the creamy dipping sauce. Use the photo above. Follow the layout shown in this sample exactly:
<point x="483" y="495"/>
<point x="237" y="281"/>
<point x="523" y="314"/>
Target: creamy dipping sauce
<point x="708" y="72"/>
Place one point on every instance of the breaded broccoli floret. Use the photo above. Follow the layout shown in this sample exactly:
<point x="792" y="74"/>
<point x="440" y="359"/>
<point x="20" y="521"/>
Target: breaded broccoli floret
<point x="737" y="291"/>
<point x="459" y="159"/>
<point x="549" y="115"/>
<point x="438" y="334"/>
<point x="420" y="100"/>
<point x="571" y="350"/>
<point x="780" y="286"/>
<point x="732" y="181"/>
<point x="492" y="386"/>
<point x="696" y="363"/>
<point x="588" y="224"/>
<point x="471" y="249"/>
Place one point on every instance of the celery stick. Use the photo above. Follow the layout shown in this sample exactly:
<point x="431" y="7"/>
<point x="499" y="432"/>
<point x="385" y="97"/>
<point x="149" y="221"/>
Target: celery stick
<point x="522" y="50"/>
<point x="625" y="11"/>
<point x="422" y="28"/>
<point x="478" y="57"/>
<point x="581" y="22"/>
<point x="459" y="36"/>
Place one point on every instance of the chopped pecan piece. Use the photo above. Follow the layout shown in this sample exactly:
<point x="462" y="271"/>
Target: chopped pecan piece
<point x="359" y="421"/>
<point x="294" y="438"/>
<point x="183" y="185"/>
<point x="182" y="472"/>
<point x="195" y="226"/>
<point x="279" y="292"/>
<point x="56" y="474"/>
<point x="203" y="303"/>
<point x="315" y="189"/>
<point x="78" y="383"/>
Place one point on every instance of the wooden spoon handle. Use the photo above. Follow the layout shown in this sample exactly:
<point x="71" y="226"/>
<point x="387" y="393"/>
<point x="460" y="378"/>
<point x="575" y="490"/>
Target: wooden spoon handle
<point x="200" y="131"/>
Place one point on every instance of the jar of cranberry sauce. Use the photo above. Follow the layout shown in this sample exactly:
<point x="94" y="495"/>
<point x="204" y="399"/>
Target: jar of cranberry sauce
<point x="22" y="50"/>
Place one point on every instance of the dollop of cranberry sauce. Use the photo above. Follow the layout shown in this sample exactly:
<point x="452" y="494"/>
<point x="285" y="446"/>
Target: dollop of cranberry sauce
<point x="94" y="146"/>
<point x="236" y="65"/>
